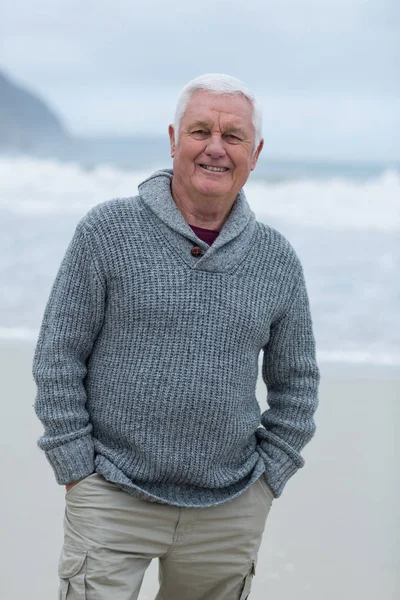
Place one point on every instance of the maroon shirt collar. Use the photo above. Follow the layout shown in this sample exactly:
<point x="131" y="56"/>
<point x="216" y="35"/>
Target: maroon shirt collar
<point x="206" y="235"/>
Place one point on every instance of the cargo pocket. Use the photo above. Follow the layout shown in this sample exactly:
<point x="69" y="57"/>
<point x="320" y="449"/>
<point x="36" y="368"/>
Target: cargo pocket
<point x="72" y="572"/>
<point x="246" y="584"/>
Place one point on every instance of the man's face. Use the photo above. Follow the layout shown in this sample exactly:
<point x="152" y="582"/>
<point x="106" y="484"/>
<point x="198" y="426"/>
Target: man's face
<point x="215" y="151"/>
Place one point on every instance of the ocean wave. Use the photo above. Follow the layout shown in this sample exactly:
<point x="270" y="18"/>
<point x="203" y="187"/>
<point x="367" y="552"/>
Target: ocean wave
<point x="332" y="204"/>
<point x="38" y="187"/>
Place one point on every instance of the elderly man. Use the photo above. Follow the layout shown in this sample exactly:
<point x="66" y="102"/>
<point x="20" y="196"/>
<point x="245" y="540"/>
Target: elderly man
<point x="147" y="362"/>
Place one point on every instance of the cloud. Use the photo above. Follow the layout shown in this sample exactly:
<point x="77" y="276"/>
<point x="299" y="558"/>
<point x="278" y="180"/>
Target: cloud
<point x="97" y="60"/>
<point x="93" y="18"/>
<point x="272" y="46"/>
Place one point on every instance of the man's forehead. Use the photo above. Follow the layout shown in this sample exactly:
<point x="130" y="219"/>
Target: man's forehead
<point x="207" y="107"/>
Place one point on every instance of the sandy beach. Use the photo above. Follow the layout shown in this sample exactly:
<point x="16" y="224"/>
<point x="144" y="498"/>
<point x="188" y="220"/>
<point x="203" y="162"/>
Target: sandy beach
<point x="334" y="533"/>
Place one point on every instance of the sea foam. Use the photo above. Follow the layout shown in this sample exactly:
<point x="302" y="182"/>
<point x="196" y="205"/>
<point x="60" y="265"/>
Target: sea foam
<point x="33" y="186"/>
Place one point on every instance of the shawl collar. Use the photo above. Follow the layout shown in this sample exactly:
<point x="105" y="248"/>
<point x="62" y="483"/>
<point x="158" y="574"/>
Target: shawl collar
<point x="231" y="244"/>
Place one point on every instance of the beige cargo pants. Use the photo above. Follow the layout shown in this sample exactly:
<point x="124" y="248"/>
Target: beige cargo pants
<point x="110" y="538"/>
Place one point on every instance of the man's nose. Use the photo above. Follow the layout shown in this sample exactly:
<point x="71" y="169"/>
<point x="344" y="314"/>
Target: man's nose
<point x="215" y="147"/>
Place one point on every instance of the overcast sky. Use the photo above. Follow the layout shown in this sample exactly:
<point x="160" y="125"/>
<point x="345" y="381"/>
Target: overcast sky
<point x="326" y="71"/>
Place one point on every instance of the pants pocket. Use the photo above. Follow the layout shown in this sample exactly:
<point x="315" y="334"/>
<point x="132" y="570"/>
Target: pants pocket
<point x="247" y="581"/>
<point x="80" y="483"/>
<point x="72" y="573"/>
<point x="266" y="489"/>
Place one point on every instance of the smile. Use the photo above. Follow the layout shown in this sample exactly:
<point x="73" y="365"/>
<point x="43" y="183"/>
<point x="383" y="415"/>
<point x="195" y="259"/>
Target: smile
<point x="215" y="169"/>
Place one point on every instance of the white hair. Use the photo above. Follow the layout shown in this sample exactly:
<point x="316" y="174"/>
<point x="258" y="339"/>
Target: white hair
<point x="218" y="83"/>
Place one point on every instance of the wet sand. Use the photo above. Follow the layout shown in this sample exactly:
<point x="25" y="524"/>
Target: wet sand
<point x="333" y="534"/>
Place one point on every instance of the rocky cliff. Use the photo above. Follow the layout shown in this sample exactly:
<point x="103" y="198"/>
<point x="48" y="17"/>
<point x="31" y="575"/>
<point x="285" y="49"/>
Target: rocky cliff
<point x="26" y="121"/>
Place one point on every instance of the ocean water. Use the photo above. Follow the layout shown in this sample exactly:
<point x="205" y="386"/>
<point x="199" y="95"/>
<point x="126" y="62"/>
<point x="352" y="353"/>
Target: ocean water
<point x="344" y="225"/>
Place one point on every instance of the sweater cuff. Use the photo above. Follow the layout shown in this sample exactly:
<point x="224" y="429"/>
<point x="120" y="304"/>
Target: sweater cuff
<point x="279" y="467"/>
<point x="72" y="461"/>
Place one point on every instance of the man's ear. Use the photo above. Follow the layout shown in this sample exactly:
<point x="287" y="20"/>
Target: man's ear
<point x="256" y="155"/>
<point x="171" y="133"/>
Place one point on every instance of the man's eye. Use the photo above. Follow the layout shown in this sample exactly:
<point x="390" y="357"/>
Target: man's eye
<point x="200" y="132"/>
<point x="232" y="137"/>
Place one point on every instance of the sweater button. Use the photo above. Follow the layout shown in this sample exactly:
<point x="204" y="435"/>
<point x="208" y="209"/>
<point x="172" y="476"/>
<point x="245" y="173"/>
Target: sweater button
<point x="196" y="251"/>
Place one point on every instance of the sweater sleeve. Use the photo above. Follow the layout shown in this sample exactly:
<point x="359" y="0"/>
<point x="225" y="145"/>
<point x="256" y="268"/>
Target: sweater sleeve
<point x="291" y="375"/>
<point x="73" y="318"/>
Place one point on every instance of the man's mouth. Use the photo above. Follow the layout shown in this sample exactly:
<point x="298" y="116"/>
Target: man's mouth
<point x="215" y="169"/>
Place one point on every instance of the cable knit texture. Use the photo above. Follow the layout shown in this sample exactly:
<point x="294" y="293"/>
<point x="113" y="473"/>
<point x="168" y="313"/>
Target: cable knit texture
<point x="147" y="358"/>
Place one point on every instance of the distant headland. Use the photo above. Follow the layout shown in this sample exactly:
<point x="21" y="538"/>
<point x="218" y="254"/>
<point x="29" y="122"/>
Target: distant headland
<point x="26" y="121"/>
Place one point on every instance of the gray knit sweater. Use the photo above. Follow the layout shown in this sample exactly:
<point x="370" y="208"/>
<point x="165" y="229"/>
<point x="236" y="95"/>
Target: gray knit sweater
<point x="147" y="358"/>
